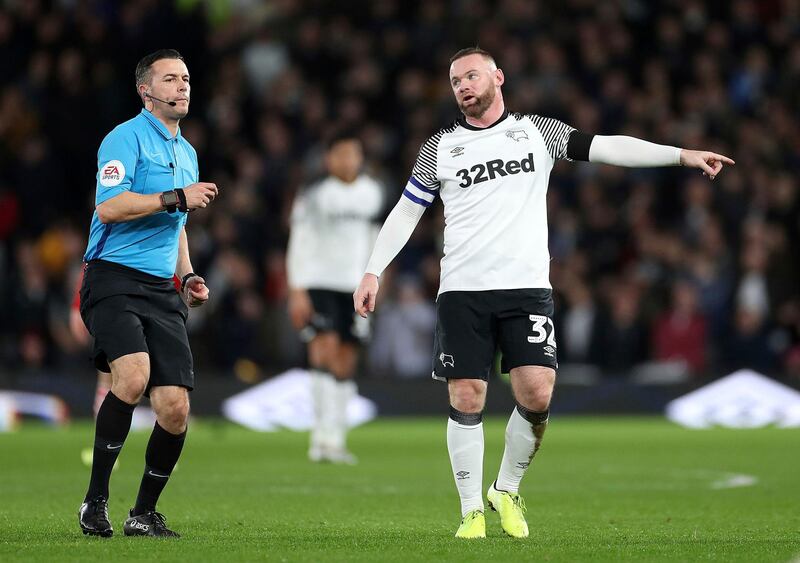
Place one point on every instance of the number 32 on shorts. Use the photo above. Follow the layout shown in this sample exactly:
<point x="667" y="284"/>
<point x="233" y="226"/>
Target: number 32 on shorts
<point x="541" y="332"/>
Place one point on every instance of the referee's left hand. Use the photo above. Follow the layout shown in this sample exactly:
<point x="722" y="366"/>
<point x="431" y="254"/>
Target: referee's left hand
<point x="196" y="292"/>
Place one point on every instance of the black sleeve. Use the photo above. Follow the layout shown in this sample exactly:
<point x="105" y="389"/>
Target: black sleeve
<point x="578" y="146"/>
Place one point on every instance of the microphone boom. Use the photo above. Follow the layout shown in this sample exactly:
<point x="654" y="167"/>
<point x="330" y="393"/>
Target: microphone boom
<point x="173" y="104"/>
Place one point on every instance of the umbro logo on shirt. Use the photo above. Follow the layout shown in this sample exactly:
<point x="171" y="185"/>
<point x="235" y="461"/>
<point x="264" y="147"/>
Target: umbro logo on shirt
<point x="458" y="151"/>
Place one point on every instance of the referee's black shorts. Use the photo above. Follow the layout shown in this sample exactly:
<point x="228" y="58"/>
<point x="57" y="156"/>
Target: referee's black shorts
<point x="129" y="311"/>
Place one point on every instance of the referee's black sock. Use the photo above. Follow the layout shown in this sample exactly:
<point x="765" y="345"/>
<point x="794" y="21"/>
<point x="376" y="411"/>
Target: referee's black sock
<point x="163" y="451"/>
<point x="111" y="429"/>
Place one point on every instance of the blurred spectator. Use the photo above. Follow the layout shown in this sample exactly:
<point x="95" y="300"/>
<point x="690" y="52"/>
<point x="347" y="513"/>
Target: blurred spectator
<point x="621" y="337"/>
<point x="748" y="344"/>
<point x="403" y="342"/>
<point x="578" y="324"/>
<point x="679" y="334"/>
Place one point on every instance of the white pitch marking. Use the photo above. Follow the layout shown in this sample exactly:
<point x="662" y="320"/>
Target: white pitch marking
<point x="735" y="480"/>
<point x="679" y="479"/>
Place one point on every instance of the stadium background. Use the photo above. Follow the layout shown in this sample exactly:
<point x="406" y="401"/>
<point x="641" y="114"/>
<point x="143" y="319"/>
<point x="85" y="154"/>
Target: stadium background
<point x="650" y="266"/>
<point x="658" y="273"/>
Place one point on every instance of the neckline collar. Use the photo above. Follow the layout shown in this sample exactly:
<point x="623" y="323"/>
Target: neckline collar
<point x="160" y="127"/>
<point x="463" y="122"/>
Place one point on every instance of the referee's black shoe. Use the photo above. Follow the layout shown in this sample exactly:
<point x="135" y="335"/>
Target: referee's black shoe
<point x="152" y="524"/>
<point x="93" y="518"/>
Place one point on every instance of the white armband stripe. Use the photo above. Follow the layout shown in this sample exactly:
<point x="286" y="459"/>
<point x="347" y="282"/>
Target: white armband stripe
<point x="421" y="194"/>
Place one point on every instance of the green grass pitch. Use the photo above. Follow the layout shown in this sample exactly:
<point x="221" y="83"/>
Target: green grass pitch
<point x="600" y="489"/>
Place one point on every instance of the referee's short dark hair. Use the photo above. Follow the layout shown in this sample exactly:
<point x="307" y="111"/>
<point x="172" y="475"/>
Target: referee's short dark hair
<point x="145" y="66"/>
<point x="472" y="51"/>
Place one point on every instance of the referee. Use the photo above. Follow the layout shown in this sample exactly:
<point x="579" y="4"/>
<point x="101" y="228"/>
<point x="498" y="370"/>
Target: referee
<point x="147" y="181"/>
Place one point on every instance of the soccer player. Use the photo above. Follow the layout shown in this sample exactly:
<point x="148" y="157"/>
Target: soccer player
<point x="491" y="169"/>
<point x="332" y="231"/>
<point x="147" y="181"/>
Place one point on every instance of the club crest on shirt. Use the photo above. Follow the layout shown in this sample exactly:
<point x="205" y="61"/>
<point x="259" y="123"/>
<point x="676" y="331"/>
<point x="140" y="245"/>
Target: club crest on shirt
<point x="517" y="134"/>
<point x="111" y="173"/>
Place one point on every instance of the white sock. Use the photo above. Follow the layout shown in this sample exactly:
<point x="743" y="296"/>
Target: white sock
<point x="321" y="392"/>
<point x="522" y="440"/>
<point x="316" y="397"/>
<point x="465" y="445"/>
<point x="343" y="391"/>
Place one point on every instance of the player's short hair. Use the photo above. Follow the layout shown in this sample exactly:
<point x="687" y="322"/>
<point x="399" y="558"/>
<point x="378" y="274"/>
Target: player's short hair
<point x="341" y="135"/>
<point x="473" y="51"/>
<point x="144" y="69"/>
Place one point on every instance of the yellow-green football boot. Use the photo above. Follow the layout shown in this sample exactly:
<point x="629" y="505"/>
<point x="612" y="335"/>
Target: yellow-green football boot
<point x="511" y="508"/>
<point x="473" y="525"/>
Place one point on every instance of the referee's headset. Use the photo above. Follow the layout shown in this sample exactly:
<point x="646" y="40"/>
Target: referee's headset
<point x="152" y="97"/>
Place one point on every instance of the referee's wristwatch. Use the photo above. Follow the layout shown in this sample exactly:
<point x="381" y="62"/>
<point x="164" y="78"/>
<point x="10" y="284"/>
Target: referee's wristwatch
<point x="170" y="201"/>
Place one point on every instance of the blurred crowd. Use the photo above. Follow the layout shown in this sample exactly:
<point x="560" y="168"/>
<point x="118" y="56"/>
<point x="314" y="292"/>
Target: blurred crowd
<point x="650" y="267"/>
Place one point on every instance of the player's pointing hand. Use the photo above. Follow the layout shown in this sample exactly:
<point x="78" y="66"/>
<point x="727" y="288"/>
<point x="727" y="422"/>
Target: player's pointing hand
<point x="710" y="163"/>
<point x="364" y="296"/>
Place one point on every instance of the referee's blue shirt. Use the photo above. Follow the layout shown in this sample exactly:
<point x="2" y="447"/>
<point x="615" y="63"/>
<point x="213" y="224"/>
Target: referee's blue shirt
<point x="141" y="156"/>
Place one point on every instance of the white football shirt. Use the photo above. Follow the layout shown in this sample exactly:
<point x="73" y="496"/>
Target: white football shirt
<point x="332" y="232"/>
<point x="493" y="184"/>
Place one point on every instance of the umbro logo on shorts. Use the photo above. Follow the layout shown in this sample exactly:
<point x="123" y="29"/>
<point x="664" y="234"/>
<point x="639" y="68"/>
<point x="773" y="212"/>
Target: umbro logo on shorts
<point x="447" y="360"/>
<point x="549" y="350"/>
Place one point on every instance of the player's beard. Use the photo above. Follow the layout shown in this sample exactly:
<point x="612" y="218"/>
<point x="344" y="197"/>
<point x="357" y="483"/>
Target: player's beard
<point x="480" y="105"/>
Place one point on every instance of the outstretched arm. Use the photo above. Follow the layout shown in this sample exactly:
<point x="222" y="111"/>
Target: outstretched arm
<point x="392" y="237"/>
<point x="621" y="150"/>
